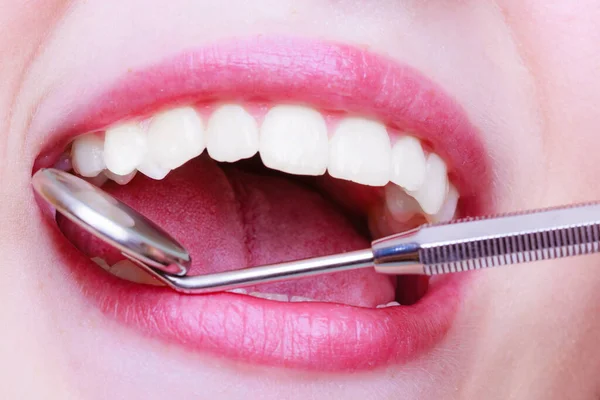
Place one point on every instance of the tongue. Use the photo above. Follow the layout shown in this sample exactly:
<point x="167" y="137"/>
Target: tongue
<point x="231" y="219"/>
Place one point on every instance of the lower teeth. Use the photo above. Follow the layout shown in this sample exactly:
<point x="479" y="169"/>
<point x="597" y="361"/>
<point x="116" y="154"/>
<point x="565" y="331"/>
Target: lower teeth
<point x="390" y="304"/>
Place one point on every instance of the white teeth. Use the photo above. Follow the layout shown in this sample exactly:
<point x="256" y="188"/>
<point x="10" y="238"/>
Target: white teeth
<point x="128" y="271"/>
<point x="124" y="148"/>
<point x="152" y="169"/>
<point x="432" y="193"/>
<point x="293" y="139"/>
<point x="390" y="304"/>
<point x="87" y="155"/>
<point x="231" y="134"/>
<point x="446" y="213"/>
<point x="300" y="299"/>
<point x="175" y="137"/>
<point x="400" y="205"/>
<point x="120" y="179"/>
<point x="408" y="163"/>
<point x="271" y="296"/>
<point x="238" y="291"/>
<point x="360" y="151"/>
<point x="103" y="264"/>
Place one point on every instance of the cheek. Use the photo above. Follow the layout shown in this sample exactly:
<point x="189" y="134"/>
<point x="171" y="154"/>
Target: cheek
<point x="558" y="43"/>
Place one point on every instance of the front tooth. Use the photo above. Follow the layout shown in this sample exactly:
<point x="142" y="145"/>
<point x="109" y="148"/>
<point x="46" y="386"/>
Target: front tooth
<point x="128" y="271"/>
<point x="271" y="296"/>
<point x="432" y="193"/>
<point x="401" y="206"/>
<point x="446" y="213"/>
<point x="87" y="155"/>
<point x="175" y="137"/>
<point x="231" y="134"/>
<point x="124" y="148"/>
<point x="293" y="139"/>
<point x="408" y="163"/>
<point x="360" y="151"/>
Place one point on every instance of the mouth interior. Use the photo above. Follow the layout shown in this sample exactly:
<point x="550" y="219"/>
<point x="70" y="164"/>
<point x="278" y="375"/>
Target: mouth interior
<point x="233" y="216"/>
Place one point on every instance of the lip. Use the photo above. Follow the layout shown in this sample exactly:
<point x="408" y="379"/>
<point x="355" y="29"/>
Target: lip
<point x="337" y="77"/>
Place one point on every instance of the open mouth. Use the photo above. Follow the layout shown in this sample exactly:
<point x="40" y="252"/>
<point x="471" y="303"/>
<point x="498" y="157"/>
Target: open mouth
<point x="270" y="150"/>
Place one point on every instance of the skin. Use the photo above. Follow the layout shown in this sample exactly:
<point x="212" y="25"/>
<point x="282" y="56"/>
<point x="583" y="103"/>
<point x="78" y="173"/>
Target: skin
<point x="526" y="73"/>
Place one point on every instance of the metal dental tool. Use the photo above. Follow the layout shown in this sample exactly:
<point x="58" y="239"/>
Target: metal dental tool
<point x="456" y="246"/>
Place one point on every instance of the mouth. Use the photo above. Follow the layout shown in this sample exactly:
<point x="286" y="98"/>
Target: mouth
<point x="260" y="151"/>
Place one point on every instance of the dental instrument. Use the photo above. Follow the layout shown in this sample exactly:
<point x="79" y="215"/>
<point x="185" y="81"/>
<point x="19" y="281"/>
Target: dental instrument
<point x="456" y="246"/>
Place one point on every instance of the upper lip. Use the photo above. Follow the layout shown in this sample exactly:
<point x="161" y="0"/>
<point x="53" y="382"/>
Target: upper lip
<point x="327" y="76"/>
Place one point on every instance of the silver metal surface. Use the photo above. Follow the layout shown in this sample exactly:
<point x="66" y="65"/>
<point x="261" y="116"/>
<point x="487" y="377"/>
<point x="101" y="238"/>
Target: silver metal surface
<point x="268" y="273"/>
<point x="110" y="220"/>
<point x="476" y="243"/>
<point x="456" y="246"/>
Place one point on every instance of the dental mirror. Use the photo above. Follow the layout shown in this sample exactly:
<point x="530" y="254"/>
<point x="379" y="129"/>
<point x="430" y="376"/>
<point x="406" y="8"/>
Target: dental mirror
<point x="112" y="221"/>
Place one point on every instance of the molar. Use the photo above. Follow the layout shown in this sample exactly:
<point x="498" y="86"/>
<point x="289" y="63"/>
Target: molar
<point x="293" y="139"/>
<point x="360" y="151"/>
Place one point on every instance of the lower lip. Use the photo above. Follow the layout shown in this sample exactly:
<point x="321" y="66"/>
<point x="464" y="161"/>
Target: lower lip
<point x="308" y="336"/>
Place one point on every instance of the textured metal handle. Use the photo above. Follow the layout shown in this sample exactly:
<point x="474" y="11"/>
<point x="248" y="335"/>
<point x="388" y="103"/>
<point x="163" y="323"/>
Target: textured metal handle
<point x="476" y="243"/>
<point x="491" y="252"/>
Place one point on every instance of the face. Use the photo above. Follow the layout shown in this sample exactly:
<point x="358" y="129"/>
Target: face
<point x="369" y="118"/>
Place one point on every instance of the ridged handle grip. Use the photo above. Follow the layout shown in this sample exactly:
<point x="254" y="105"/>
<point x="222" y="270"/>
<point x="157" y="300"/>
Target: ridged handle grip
<point x="476" y="243"/>
<point x="513" y="249"/>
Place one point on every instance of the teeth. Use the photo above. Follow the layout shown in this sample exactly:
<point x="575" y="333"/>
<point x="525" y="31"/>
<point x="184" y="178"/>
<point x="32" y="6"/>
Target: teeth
<point x="88" y="155"/>
<point x="432" y="193"/>
<point x="103" y="264"/>
<point x="408" y="163"/>
<point x="300" y="299"/>
<point x="120" y="179"/>
<point x="124" y="148"/>
<point x="152" y="169"/>
<point x="400" y="205"/>
<point x="360" y="151"/>
<point x="446" y="213"/>
<point x="390" y="304"/>
<point x="271" y="296"/>
<point x="293" y="139"/>
<point x="238" y="291"/>
<point x="231" y="134"/>
<point x="175" y="137"/>
<point x="128" y="271"/>
<point x="274" y="296"/>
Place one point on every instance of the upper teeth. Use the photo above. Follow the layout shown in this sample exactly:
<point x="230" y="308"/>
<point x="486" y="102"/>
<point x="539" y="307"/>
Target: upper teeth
<point x="293" y="139"/>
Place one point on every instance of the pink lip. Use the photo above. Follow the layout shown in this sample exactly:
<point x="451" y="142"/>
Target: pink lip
<point x="330" y="77"/>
